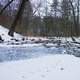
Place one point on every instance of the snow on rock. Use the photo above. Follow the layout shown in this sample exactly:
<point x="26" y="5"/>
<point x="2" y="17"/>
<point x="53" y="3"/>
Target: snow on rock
<point x="5" y="36"/>
<point x="51" y="67"/>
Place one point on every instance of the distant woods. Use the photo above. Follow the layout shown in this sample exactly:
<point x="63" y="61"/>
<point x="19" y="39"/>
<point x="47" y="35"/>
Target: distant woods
<point x="56" y="18"/>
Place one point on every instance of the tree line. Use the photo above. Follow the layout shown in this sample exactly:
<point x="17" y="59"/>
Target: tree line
<point x="56" y="18"/>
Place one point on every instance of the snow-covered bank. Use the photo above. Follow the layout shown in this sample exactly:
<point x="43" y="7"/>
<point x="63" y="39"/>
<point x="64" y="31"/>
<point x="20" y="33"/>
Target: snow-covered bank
<point x="17" y="39"/>
<point x="20" y="40"/>
<point x="5" y="36"/>
<point x="51" y="67"/>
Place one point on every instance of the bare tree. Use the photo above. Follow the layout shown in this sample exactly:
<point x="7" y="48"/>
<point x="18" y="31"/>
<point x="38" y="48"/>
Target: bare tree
<point x="66" y="14"/>
<point x="18" y="15"/>
<point x="76" y="21"/>
<point x="78" y="9"/>
<point x="54" y="10"/>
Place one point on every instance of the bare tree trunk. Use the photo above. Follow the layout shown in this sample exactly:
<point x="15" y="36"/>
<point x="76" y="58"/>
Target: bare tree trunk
<point x="74" y="17"/>
<point x="78" y="14"/>
<point x="17" y="17"/>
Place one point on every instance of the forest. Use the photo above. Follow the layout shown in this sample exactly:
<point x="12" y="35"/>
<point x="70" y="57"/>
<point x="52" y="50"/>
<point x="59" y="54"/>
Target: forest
<point x="41" y="18"/>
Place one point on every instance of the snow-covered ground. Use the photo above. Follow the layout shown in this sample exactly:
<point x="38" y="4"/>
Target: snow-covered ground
<point x="51" y="67"/>
<point x="38" y="58"/>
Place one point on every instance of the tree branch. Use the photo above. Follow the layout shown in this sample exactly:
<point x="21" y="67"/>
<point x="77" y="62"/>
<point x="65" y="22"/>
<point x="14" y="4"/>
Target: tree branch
<point x="6" y="6"/>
